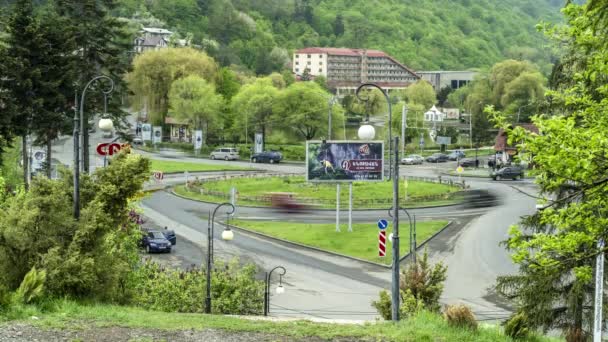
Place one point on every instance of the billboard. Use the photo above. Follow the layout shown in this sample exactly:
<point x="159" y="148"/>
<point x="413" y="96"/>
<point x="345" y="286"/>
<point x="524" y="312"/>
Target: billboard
<point x="259" y="143"/>
<point x="344" y="161"/>
<point x="146" y="132"/>
<point x="157" y="136"/>
<point x="198" y="139"/>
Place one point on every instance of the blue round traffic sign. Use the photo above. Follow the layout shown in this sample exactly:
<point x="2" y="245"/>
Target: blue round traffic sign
<point x="382" y="224"/>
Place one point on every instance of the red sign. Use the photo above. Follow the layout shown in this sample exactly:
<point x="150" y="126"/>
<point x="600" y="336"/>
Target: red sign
<point x="382" y="243"/>
<point x="108" y="149"/>
<point x="158" y="175"/>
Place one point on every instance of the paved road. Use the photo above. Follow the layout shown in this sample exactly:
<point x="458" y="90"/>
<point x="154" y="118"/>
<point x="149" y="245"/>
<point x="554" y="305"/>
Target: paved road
<point x="328" y="286"/>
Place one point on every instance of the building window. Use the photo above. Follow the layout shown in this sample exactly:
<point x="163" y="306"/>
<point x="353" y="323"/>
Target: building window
<point x="308" y="62"/>
<point x="297" y="70"/>
<point x="297" y="63"/>
<point x="297" y="56"/>
<point x="320" y="63"/>
<point x="454" y="84"/>
<point x="320" y="70"/>
<point x="308" y="56"/>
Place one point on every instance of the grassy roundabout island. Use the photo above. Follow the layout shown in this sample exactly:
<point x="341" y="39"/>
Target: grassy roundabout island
<point x="169" y="166"/>
<point x="361" y="243"/>
<point x="366" y="195"/>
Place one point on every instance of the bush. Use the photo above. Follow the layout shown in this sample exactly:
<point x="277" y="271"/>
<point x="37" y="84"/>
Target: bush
<point x="460" y="316"/>
<point x="31" y="287"/>
<point x="234" y="289"/>
<point x="517" y="326"/>
<point x="409" y="305"/>
<point x="5" y="297"/>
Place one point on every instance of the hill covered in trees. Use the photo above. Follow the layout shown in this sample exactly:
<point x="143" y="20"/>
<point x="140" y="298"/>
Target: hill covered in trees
<point x="437" y="34"/>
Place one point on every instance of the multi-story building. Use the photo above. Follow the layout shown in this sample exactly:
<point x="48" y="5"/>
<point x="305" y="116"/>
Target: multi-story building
<point x="345" y="69"/>
<point x="152" y="39"/>
<point x="452" y="79"/>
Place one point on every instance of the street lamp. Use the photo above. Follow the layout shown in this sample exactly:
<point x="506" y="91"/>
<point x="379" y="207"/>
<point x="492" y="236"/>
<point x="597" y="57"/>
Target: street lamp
<point x="279" y="290"/>
<point x="79" y="128"/>
<point x="390" y="115"/>
<point x="227" y="235"/>
<point x="332" y="101"/>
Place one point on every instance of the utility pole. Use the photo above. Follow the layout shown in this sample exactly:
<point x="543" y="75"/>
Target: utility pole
<point x="403" y="127"/>
<point x="395" y="270"/>
<point x="599" y="292"/>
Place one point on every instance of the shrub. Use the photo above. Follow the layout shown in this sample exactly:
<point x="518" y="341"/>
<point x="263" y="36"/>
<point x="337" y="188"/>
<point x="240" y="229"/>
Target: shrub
<point x="234" y="289"/>
<point x="409" y="305"/>
<point x="383" y="305"/>
<point x="5" y="297"/>
<point x="31" y="287"/>
<point x="517" y="326"/>
<point x="460" y="316"/>
<point x="424" y="281"/>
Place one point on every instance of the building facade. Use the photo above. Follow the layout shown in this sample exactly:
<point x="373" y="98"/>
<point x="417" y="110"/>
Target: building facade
<point x="442" y="79"/>
<point x="345" y="69"/>
<point x="152" y="39"/>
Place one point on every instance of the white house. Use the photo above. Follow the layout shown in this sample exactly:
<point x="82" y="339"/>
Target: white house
<point x="434" y="115"/>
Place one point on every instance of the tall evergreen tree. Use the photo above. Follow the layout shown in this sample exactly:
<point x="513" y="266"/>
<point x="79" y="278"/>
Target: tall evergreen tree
<point x="102" y="43"/>
<point x="6" y="105"/>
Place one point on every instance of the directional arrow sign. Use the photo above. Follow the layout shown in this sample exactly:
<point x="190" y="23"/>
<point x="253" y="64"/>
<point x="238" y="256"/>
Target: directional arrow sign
<point x="382" y="224"/>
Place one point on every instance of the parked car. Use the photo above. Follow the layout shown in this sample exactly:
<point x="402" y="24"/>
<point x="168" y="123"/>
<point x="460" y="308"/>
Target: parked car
<point x="155" y="241"/>
<point x="267" y="157"/>
<point x="168" y="233"/>
<point x="455" y="155"/>
<point x="137" y="141"/>
<point x="492" y="159"/>
<point x="226" y="153"/>
<point x="412" y="159"/>
<point x="512" y="172"/>
<point x="467" y="162"/>
<point x="107" y="135"/>
<point x="437" y="158"/>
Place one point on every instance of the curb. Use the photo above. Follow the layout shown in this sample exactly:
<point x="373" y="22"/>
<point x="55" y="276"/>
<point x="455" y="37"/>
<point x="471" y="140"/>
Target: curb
<point x="297" y="244"/>
<point x="261" y="207"/>
<point x="191" y="172"/>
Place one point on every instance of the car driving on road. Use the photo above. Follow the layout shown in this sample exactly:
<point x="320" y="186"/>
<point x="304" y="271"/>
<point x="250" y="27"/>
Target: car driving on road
<point x="467" y="162"/>
<point x="509" y="172"/>
<point x="226" y="153"/>
<point x="412" y="159"/>
<point x="437" y="158"/>
<point x="267" y="157"/>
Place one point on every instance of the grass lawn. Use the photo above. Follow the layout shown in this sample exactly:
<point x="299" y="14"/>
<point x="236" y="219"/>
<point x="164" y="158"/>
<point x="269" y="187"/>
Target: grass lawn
<point x="425" y="326"/>
<point x="365" y="195"/>
<point x="361" y="243"/>
<point x="177" y="166"/>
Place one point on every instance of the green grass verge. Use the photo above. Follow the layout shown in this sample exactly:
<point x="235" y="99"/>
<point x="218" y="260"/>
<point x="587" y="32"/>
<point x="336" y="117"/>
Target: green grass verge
<point x="361" y="243"/>
<point x="178" y="166"/>
<point x="365" y="195"/>
<point x="425" y="326"/>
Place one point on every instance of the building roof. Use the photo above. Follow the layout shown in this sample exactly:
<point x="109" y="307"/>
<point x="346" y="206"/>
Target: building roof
<point x="173" y="121"/>
<point x="156" y="30"/>
<point x="355" y="53"/>
<point x="151" y="41"/>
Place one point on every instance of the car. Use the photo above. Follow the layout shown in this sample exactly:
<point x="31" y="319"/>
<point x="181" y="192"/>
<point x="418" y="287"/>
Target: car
<point x="137" y="141"/>
<point x="492" y="159"/>
<point x="455" y="155"/>
<point x="412" y="159"/>
<point x="168" y="233"/>
<point x="437" y="158"/>
<point x="467" y="162"/>
<point x="107" y="135"/>
<point x="267" y="156"/>
<point x="286" y="202"/>
<point x="480" y="198"/>
<point x="512" y="172"/>
<point x="155" y="241"/>
<point x="226" y="153"/>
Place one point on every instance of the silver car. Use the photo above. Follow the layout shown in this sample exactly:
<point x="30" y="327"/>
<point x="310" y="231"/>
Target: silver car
<point x="226" y="153"/>
<point x="412" y="159"/>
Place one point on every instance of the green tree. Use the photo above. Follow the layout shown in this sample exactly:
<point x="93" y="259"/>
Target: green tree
<point x="556" y="247"/>
<point x="303" y="109"/>
<point x="253" y="107"/>
<point x="227" y="83"/>
<point x="155" y="71"/>
<point x="194" y="99"/>
<point x="421" y="93"/>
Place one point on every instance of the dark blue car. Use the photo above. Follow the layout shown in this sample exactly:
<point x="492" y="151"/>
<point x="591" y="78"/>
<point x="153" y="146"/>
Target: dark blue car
<point x="267" y="157"/>
<point x="155" y="241"/>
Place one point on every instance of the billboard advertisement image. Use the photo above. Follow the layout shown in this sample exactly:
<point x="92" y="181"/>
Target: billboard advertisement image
<point x="344" y="161"/>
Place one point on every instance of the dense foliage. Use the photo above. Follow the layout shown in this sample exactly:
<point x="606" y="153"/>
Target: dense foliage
<point x="438" y="34"/>
<point x="556" y="247"/>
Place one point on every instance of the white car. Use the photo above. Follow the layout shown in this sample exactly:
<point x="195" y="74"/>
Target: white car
<point x="226" y="153"/>
<point x="412" y="159"/>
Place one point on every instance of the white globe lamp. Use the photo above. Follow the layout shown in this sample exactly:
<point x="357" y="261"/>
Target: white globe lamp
<point x="227" y="235"/>
<point x="366" y="132"/>
<point x="106" y="124"/>
<point x="280" y="289"/>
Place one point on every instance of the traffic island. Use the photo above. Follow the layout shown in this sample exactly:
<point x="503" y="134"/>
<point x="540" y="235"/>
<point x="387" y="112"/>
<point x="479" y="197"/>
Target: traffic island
<point x="260" y="192"/>
<point x="361" y="243"/>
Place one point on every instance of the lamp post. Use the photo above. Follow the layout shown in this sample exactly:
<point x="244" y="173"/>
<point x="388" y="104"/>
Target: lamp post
<point x="412" y="242"/>
<point x="227" y="235"/>
<point x="84" y="123"/>
<point x="79" y="128"/>
<point x="279" y="290"/>
<point x="332" y="101"/>
<point x="390" y="116"/>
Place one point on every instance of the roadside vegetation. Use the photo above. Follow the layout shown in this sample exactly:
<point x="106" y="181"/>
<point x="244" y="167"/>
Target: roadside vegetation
<point x="361" y="243"/>
<point x="366" y="195"/>
<point x="71" y="315"/>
